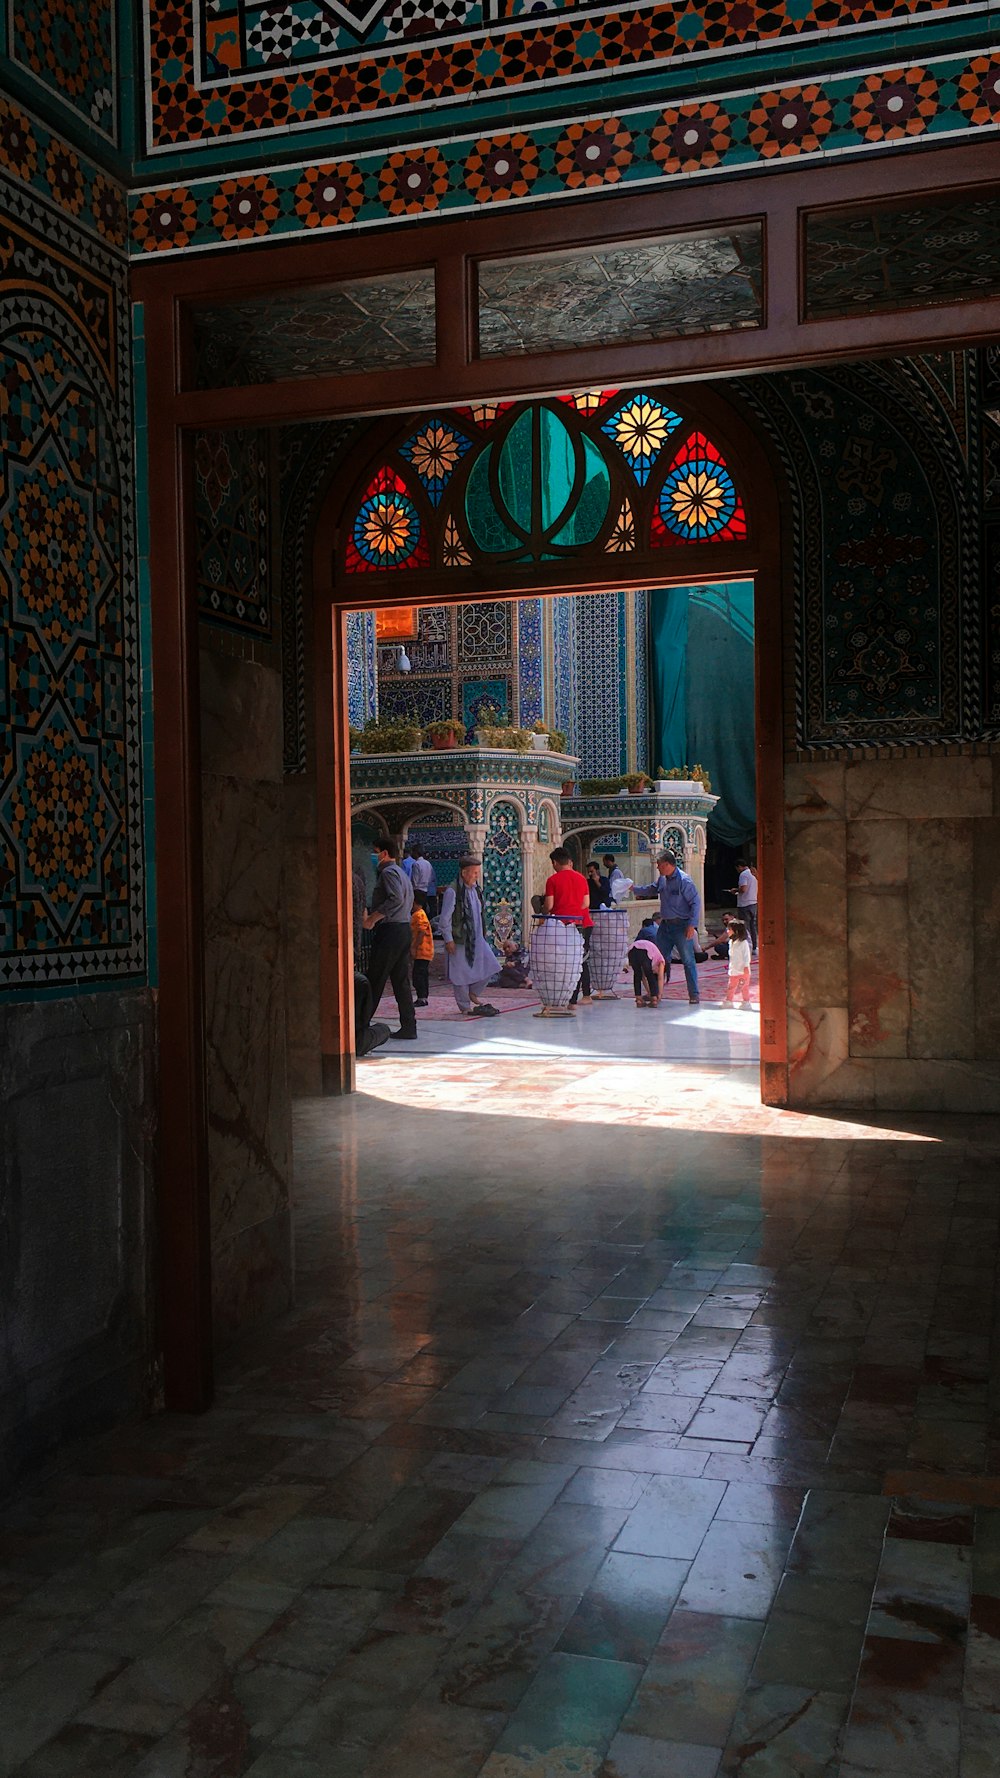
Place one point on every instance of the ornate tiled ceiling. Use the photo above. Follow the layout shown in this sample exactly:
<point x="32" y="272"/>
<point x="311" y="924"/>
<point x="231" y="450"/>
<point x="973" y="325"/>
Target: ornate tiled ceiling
<point x="379" y="323"/>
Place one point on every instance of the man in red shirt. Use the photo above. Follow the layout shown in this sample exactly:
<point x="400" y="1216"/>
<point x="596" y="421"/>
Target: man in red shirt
<point x="567" y="896"/>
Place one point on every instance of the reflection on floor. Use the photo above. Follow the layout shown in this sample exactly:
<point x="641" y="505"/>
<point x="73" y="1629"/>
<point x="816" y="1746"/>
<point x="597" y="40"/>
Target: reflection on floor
<point x="607" y="1030"/>
<point x="623" y="1430"/>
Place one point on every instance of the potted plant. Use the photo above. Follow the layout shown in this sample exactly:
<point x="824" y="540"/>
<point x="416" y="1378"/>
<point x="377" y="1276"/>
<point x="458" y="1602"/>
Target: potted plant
<point x="557" y="740"/>
<point x="569" y="787"/>
<point x="636" y="783"/>
<point x="445" y="733"/>
<point x="399" y="736"/>
<point x="682" y="781"/>
<point x="540" y="737"/>
<point x="600" y="786"/>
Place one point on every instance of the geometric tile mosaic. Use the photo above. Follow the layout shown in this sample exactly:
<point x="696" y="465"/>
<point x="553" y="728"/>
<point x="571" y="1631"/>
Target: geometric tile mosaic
<point x="224" y="68"/>
<point x="887" y="552"/>
<point x="232" y="529"/>
<point x="69" y="47"/>
<point x="652" y="143"/>
<point x="72" y="892"/>
<point x="34" y="157"/>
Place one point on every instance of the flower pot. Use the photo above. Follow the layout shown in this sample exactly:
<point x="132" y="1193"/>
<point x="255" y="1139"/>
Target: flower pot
<point x="444" y="743"/>
<point x="569" y="787"/>
<point x="681" y="787"/>
<point x="540" y="743"/>
<point x="639" y="790"/>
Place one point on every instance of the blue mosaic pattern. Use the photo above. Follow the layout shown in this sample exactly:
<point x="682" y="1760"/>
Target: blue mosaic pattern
<point x="477" y="692"/>
<point x="434" y="451"/>
<point x="529" y="662"/>
<point x="600" y="685"/>
<point x="640" y="620"/>
<point x="640" y="426"/>
<point x="503" y="873"/>
<point x="362" y="677"/>
<point x="564" y="667"/>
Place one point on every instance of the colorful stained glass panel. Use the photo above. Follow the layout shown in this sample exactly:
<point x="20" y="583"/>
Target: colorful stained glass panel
<point x="640" y="426"/>
<point x="387" y="532"/>
<point x="434" y="451"/>
<point x="698" y="499"/>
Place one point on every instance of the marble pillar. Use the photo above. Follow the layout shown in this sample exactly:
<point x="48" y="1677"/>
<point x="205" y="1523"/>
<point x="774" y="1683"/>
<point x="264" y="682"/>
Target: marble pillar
<point x="249" y="1109"/>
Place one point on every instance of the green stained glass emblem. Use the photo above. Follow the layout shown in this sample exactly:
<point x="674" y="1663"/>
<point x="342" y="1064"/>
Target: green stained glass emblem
<point x="539" y="491"/>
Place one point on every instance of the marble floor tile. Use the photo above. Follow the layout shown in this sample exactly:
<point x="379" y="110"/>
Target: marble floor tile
<point x="616" y="1431"/>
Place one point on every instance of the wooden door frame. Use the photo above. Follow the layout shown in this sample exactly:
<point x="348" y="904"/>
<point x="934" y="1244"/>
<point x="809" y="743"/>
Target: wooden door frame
<point x="764" y="558"/>
<point x="168" y="286"/>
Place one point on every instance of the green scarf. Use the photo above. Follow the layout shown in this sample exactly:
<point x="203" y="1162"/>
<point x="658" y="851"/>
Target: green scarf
<point x="463" y="924"/>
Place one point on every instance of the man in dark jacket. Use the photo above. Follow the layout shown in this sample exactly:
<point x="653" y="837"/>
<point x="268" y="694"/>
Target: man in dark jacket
<point x="389" y="924"/>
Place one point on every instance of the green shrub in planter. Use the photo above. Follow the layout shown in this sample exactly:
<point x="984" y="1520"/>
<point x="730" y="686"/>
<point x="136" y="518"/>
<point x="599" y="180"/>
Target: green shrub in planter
<point x="601" y="786"/>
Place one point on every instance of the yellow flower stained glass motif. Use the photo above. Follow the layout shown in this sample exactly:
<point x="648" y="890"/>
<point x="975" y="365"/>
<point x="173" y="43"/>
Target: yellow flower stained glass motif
<point x="434" y="452"/>
<point x="640" y="427"/>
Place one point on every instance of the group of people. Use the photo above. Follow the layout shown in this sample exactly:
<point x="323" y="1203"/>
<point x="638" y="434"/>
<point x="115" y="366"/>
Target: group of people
<point x="402" y="941"/>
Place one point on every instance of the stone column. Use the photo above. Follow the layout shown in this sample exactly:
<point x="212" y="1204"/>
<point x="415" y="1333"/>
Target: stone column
<point x="529" y="848"/>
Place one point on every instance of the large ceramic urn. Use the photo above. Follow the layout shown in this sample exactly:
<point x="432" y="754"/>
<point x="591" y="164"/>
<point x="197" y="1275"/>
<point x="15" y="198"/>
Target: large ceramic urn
<point x="556" y="962"/>
<point x="608" y="949"/>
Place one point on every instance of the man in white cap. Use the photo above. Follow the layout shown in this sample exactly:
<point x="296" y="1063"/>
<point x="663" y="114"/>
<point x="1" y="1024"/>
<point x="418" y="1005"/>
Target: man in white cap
<point x="470" y="961"/>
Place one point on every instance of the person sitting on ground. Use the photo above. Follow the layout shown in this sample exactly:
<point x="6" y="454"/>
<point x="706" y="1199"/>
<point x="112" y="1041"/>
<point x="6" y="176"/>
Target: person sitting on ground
<point x="717" y="941"/>
<point x="421" y="952"/>
<point x="471" y="962"/>
<point x="516" y="971"/>
<point x="649" y="966"/>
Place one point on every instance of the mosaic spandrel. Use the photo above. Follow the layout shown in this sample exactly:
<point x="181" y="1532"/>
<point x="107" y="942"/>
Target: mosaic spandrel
<point x="643" y="290"/>
<point x="368" y="324"/>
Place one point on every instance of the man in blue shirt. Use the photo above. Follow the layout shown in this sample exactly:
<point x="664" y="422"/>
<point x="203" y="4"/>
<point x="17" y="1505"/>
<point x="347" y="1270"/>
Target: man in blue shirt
<point x="680" y="915"/>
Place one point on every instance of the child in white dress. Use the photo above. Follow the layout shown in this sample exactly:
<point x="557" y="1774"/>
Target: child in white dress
<point x="739" y="963"/>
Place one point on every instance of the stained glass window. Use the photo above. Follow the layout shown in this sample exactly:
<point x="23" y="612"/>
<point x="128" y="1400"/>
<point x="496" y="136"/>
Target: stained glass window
<point x="387" y="532"/>
<point x="640" y="427"/>
<point x="538" y="491"/>
<point x="535" y="482"/>
<point x="698" y="498"/>
<point x="434" y="450"/>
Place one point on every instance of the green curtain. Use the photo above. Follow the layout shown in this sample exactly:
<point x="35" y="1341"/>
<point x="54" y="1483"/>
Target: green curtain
<point x="668" y="639"/>
<point x="702" y="659"/>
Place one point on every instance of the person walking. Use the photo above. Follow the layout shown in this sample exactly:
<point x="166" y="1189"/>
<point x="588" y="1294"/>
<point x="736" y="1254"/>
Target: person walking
<point x="567" y="896"/>
<point x="423" y="879"/>
<point x="422" y="952"/>
<point x="739" y="964"/>
<point x="389" y="924"/>
<point x="470" y="959"/>
<point x="746" y="899"/>
<point x="680" y="916"/>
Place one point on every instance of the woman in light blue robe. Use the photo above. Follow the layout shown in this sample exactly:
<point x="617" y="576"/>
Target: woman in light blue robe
<point x="470" y="960"/>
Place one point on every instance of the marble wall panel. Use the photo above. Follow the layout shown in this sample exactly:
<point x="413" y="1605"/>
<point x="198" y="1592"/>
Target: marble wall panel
<point x="821" y="1070"/>
<point x="919" y="789"/>
<point x="300" y="905"/>
<point x="986" y="935"/>
<point x="877" y="854"/>
<point x="77" y="1340"/>
<point x="816" y="890"/>
<point x="814" y="792"/>
<point x="942" y="1023"/>
<point x="240" y="717"/>
<point x="249" y="1138"/>
<point x="249" y="1109"/>
<point x="878" y="965"/>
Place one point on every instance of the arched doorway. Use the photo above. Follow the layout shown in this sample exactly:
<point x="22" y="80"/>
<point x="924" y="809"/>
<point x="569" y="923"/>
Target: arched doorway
<point x="648" y="492"/>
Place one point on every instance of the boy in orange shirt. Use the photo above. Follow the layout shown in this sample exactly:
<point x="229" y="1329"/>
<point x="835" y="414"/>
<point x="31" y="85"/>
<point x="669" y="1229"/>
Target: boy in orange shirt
<point x="421" y="951"/>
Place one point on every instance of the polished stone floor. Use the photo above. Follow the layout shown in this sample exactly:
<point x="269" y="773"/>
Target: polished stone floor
<point x="607" y="1030"/>
<point x="624" y="1429"/>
